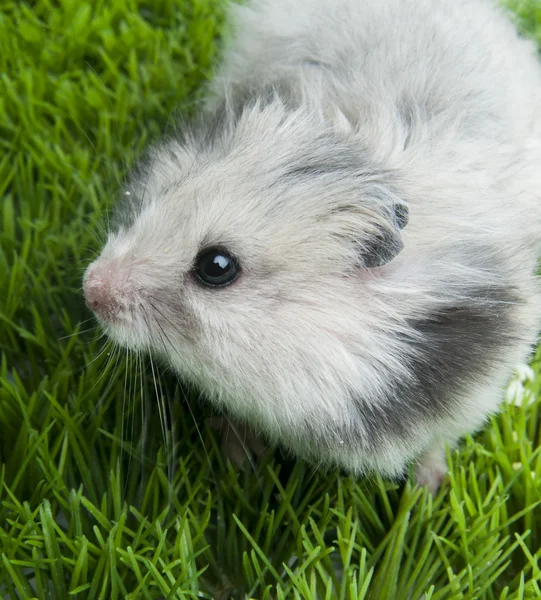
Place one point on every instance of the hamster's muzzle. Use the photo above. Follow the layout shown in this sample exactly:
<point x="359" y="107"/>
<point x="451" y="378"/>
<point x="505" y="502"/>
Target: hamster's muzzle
<point x="100" y="295"/>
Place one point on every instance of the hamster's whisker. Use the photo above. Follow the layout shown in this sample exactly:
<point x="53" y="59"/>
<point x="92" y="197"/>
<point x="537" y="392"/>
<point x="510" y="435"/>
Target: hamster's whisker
<point x="65" y="337"/>
<point x="113" y="356"/>
<point x="246" y="451"/>
<point x="132" y="387"/>
<point x="139" y="366"/>
<point x="168" y="321"/>
<point x="108" y="344"/>
<point x="99" y="235"/>
<point x="207" y="456"/>
<point x="165" y="348"/>
<point x="314" y="472"/>
<point x="113" y="353"/>
<point x="173" y="434"/>
<point x="165" y="318"/>
<point x="92" y="318"/>
<point x="163" y="337"/>
<point x="166" y="422"/>
<point x="143" y="195"/>
<point x="159" y="402"/>
<point x="81" y="129"/>
<point x="125" y="169"/>
<point x="122" y="417"/>
<point x="167" y="432"/>
<point x="169" y="428"/>
<point x="107" y="213"/>
<point x="97" y="229"/>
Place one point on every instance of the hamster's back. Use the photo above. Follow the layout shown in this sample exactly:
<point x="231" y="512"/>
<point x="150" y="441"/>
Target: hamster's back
<point x="443" y="91"/>
<point x="457" y="59"/>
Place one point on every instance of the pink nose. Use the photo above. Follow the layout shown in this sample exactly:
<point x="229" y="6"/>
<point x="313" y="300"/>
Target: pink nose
<point x="98" y="296"/>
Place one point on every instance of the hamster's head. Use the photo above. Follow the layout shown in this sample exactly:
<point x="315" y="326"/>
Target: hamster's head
<point x="239" y="256"/>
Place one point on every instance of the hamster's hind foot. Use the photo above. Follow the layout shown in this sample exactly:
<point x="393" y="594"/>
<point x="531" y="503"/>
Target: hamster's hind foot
<point x="240" y="445"/>
<point x="431" y="469"/>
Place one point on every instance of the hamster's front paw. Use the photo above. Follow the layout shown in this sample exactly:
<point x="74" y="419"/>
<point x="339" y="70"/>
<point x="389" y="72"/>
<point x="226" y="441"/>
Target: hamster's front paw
<point x="431" y="469"/>
<point x="239" y="443"/>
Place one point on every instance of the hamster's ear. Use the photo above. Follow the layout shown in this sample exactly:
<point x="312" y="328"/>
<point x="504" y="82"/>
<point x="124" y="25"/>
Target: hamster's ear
<point x="386" y="241"/>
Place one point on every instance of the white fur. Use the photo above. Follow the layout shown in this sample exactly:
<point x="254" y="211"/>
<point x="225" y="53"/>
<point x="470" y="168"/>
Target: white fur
<point x="303" y="326"/>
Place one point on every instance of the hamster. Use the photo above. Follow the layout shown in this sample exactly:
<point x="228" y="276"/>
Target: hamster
<point x="341" y="250"/>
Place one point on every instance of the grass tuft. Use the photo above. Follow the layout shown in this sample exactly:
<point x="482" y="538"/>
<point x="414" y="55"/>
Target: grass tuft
<point x="90" y="506"/>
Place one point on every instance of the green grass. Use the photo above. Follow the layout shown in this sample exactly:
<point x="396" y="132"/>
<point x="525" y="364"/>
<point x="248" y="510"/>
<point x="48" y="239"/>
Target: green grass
<point x="90" y="506"/>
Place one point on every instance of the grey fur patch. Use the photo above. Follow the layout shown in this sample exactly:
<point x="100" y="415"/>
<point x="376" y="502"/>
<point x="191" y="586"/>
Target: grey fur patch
<point x="449" y="349"/>
<point x="340" y="160"/>
<point x="402" y="215"/>
<point x="382" y="248"/>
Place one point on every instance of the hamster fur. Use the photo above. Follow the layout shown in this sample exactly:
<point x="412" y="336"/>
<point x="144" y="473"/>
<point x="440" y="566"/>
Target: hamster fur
<point x="349" y="337"/>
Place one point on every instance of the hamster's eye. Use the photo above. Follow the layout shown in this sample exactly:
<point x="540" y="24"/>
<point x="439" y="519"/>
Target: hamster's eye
<point x="215" y="267"/>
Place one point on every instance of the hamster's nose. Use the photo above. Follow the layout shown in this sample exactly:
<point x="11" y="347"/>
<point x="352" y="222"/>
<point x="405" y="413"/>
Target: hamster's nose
<point x="99" y="296"/>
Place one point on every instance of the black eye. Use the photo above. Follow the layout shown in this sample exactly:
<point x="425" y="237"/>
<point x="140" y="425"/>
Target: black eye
<point x="216" y="267"/>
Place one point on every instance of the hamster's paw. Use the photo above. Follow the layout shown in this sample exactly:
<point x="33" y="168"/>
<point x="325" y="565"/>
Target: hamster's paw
<point x="431" y="469"/>
<point x="239" y="443"/>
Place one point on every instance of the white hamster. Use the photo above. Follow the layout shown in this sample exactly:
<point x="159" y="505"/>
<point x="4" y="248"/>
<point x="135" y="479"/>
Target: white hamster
<point x="341" y="251"/>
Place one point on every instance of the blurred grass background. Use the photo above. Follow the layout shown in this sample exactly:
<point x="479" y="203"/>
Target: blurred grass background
<point x="92" y="505"/>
